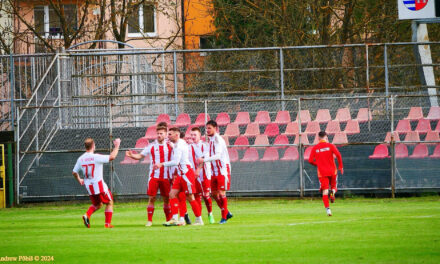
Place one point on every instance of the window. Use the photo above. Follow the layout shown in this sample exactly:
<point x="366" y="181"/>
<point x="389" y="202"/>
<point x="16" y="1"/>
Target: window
<point x="47" y="22"/>
<point x="142" y="22"/>
<point x="206" y="42"/>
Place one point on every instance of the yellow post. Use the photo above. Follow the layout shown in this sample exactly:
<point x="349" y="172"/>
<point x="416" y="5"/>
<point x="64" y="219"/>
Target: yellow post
<point x="3" y="176"/>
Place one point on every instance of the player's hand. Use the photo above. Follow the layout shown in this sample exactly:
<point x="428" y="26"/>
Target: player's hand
<point x="157" y="166"/>
<point x="197" y="171"/>
<point x="128" y="153"/>
<point x="342" y="171"/>
<point x="81" y="181"/>
<point x="117" y="142"/>
<point x="200" y="161"/>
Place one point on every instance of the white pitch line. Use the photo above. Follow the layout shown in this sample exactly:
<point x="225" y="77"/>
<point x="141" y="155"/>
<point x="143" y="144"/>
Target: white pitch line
<point x="356" y="219"/>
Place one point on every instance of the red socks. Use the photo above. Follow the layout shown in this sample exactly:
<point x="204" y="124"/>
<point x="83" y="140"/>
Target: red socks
<point x="224" y="206"/>
<point x="174" y="203"/>
<point x="196" y="208"/>
<point x="325" y="200"/>
<point x="182" y="204"/>
<point x="150" y="210"/>
<point x="208" y="203"/>
<point x="91" y="210"/>
<point x="167" y="211"/>
<point x="219" y="201"/>
<point x="108" y="216"/>
<point x="198" y="198"/>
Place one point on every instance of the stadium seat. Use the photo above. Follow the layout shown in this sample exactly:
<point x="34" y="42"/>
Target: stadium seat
<point x="233" y="154"/>
<point x="163" y="118"/>
<point x="290" y="154"/>
<point x="420" y="152"/>
<point x="437" y="128"/>
<point x="252" y="130"/>
<point x="271" y="154"/>
<point x="343" y="115"/>
<point x="141" y="143"/>
<point x="305" y="117"/>
<point x="292" y="129"/>
<point x="128" y="161"/>
<point x="403" y="127"/>
<point x="432" y="136"/>
<point x="323" y="116"/>
<point x="200" y="120"/>
<point x="352" y="127"/>
<point x="434" y="113"/>
<point x="333" y="127"/>
<point x="423" y="126"/>
<point x="182" y="120"/>
<point x="281" y="140"/>
<point x="380" y="152"/>
<point x="312" y="127"/>
<point x="415" y="113"/>
<point x="401" y="151"/>
<point x="241" y="141"/>
<point x="283" y="118"/>
<point x="412" y="136"/>
<point x="262" y="118"/>
<point x="151" y="134"/>
<point x="340" y="138"/>
<point x="232" y="130"/>
<point x="388" y="137"/>
<point x="364" y="115"/>
<point x="223" y="119"/>
<point x="272" y="130"/>
<point x="242" y="119"/>
<point x="307" y="153"/>
<point x="304" y="139"/>
<point x="250" y="155"/>
<point x="436" y="154"/>
<point x="261" y="140"/>
<point x="316" y="139"/>
<point x="224" y="137"/>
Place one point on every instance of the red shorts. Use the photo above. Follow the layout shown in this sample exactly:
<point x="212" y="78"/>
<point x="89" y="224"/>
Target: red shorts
<point x="185" y="183"/>
<point x="204" y="186"/>
<point x="327" y="182"/>
<point x="104" y="197"/>
<point x="154" y="184"/>
<point x="218" y="182"/>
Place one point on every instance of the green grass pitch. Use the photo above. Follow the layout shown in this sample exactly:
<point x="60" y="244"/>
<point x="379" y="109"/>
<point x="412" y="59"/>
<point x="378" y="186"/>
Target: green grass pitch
<point x="402" y="230"/>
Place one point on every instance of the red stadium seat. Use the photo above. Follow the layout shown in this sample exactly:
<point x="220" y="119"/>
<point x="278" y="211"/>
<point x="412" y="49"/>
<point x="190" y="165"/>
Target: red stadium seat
<point x="200" y="120"/>
<point x="291" y="154"/>
<point x="423" y="126"/>
<point x="333" y="127"/>
<point x="128" y="161"/>
<point x="436" y="154"/>
<point x="364" y="115"/>
<point x="340" y="138"/>
<point x="281" y="140"/>
<point x="307" y="153"/>
<point x="304" y="139"/>
<point x="380" y="152"/>
<point x="388" y="137"/>
<point x="151" y="134"/>
<point x="141" y="143"/>
<point x="401" y="151"/>
<point x="316" y="140"/>
<point x="292" y="129"/>
<point x="223" y="119"/>
<point x="343" y="115"/>
<point x="271" y="154"/>
<point x="283" y="118"/>
<point x="241" y="141"/>
<point x="224" y="137"/>
<point x="272" y="130"/>
<point x="312" y="128"/>
<point x="415" y="113"/>
<point x="420" y="152"/>
<point x="232" y="130"/>
<point x="250" y="155"/>
<point x="403" y="127"/>
<point x="305" y="117"/>
<point x="412" y="136"/>
<point x="163" y="118"/>
<point x="242" y="119"/>
<point x="323" y="116"/>
<point x="233" y="154"/>
<point x="434" y="113"/>
<point x="432" y="136"/>
<point x="352" y="127"/>
<point x="262" y="118"/>
<point x="437" y="128"/>
<point x="261" y="140"/>
<point x="183" y="120"/>
<point x="252" y="130"/>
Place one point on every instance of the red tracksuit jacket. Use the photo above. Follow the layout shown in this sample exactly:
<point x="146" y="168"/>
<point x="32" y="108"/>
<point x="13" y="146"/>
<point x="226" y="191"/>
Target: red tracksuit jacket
<point x="322" y="156"/>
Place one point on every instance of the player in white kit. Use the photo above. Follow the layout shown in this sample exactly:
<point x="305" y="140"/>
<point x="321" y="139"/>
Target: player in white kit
<point x="91" y="166"/>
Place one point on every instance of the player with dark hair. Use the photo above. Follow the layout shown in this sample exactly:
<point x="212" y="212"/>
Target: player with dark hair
<point x="91" y="166"/>
<point x="322" y="156"/>
<point x="221" y="168"/>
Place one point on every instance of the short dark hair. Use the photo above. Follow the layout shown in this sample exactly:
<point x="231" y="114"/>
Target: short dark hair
<point x="161" y="128"/>
<point x="182" y="134"/>
<point x="212" y="123"/>
<point x="88" y="143"/>
<point x="175" y="129"/>
<point x="322" y="134"/>
<point x="196" y="129"/>
<point x="163" y="124"/>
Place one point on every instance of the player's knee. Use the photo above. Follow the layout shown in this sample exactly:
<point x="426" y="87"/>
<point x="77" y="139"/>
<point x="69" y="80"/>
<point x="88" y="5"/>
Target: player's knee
<point x="152" y="199"/>
<point x="98" y="206"/>
<point x="325" y="192"/>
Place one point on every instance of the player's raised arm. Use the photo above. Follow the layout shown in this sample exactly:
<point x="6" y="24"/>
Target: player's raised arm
<point x="114" y="153"/>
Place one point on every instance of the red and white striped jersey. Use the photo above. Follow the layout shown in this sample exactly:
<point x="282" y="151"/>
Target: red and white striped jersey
<point x="158" y="153"/>
<point x="91" y="165"/>
<point x="218" y="155"/>
<point x="200" y="150"/>
<point x="179" y="161"/>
